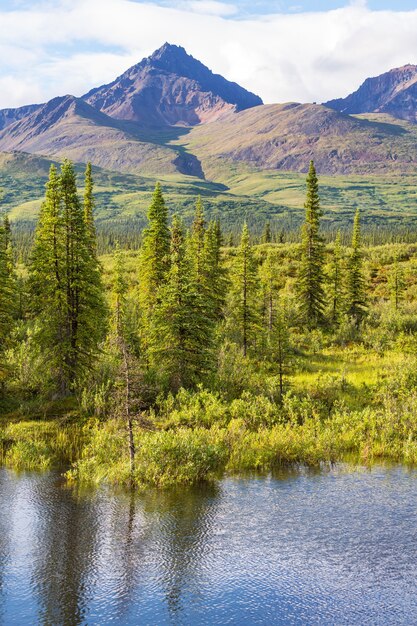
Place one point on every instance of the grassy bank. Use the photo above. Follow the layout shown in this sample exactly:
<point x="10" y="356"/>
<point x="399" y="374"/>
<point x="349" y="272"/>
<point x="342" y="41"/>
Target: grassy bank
<point x="199" y="436"/>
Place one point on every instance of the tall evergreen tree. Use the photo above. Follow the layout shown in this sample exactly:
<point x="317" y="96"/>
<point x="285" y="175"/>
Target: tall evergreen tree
<point x="89" y="204"/>
<point x="336" y="280"/>
<point x="66" y="283"/>
<point x="271" y="284"/>
<point x="7" y="230"/>
<point x="219" y="234"/>
<point x="47" y="279"/>
<point x="85" y="308"/>
<point x="155" y="253"/>
<point x="127" y="391"/>
<point x="9" y="250"/>
<point x="7" y="298"/>
<point x="213" y="274"/>
<point x="196" y="244"/>
<point x="244" y="314"/>
<point x="356" y="292"/>
<point x="311" y="273"/>
<point x="181" y="331"/>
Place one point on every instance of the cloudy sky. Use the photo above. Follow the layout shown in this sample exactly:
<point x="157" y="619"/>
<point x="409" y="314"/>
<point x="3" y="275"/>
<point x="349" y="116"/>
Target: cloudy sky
<point x="303" y="50"/>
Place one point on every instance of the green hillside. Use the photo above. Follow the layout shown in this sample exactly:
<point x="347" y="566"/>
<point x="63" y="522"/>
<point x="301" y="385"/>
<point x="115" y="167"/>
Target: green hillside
<point x="240" y="192"/>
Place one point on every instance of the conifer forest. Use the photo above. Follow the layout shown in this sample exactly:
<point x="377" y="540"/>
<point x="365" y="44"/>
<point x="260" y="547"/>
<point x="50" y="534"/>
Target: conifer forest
<point x="191" y="357"/>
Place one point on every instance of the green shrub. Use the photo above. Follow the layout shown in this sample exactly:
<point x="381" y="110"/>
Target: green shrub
<point x="179" y="457"/>
<point x="200" y="408"/>
<point x="256" y="411"/>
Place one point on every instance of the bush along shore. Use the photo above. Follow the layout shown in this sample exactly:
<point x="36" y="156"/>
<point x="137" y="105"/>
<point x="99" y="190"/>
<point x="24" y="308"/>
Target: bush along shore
<point x="190" y="358"/>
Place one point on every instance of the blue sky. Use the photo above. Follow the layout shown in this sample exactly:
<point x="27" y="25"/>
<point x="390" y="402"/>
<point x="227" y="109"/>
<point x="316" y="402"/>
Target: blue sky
<point x="283" y="50"/>
<point x="266" y="7"/>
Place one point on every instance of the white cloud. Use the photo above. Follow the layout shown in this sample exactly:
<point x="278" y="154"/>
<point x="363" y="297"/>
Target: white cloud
<point x="61" y="46"/>
<point x="209" y="7"/>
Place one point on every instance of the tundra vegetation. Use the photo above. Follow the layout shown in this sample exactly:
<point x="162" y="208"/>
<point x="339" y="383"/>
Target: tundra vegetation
<point x="191" y="357"/>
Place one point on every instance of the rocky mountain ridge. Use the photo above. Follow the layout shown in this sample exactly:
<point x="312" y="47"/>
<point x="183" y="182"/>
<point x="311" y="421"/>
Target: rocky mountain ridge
<point x="170" y="114"/>
<point x="394" y="92"/>
<point x="170" y="88"/>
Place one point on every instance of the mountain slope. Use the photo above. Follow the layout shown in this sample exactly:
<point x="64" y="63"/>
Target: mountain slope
<point x="9" y="116"/>
<point x="286" y="137"/>
<point x="394" y="92"/>
<point x="151" y="120"/>
<point x="168" y="88"/>
<point x="256" y="196"/>
<point x="69" y="127"/>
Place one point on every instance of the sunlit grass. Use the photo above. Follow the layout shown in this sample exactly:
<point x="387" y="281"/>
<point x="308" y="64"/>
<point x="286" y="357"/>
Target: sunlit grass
<point x="40" y="445"/>
<point x="357" y="367"/>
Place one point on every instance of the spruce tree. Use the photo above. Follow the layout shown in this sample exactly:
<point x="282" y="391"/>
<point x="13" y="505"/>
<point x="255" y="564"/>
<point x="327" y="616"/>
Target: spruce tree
<point x="267" y="235"/>
<point x="213" y="275"/>
<point x="336" y="280"/>
<point x="271" y="284"/>
<point x="311" y="273"/>
<point x="356" y="291"/>
<point x="155" y="253"/>
<point x="89" y="208"/>
<point x="7" y="298"/>
<point x="85" y="308"/>
<point x="196" y="243"/>
<point x="396" y="283"/>
<point x="244" y="314"/>
<point x="181" y="332"/>
<point x="7" y="231"/>
<point x="127" y="396"/>
<point x="66" y="283"/>
<point x="48" y="281"/>
<point x="219" y="234"/>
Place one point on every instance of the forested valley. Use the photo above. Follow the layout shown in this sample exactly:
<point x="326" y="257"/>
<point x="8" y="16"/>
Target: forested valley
<point x="197" y="354"/>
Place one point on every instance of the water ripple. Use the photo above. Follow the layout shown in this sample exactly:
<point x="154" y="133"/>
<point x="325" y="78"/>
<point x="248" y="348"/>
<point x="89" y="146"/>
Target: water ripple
<point x="335" y="547"/>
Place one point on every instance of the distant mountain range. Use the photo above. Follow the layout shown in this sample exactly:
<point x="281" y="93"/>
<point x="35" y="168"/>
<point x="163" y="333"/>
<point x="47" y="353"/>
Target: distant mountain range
<point x="394" y="92"/>
<point x="170" y="115"/>
<point x="128" y="124"/>
<point x="154" y="119"/>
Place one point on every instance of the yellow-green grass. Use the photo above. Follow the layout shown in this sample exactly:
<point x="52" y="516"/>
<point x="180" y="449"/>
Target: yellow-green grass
<point x="40" y="445"/>
<point x="356" y="367"/>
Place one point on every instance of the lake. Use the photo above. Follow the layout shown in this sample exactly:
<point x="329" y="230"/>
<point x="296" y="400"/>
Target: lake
<point x="337" y="546"/>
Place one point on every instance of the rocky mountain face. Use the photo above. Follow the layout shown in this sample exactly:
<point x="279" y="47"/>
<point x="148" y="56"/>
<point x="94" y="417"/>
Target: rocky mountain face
<point x="394" y="92"/>
<point x="9" y="116"/>
<point x="29" y="132"/>
<point x="170" y="88"/>
<point x="286" y="136"/>
<point x="70" y="127"/>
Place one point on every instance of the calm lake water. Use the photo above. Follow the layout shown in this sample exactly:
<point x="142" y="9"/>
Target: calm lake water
<point x="337" y="547"/>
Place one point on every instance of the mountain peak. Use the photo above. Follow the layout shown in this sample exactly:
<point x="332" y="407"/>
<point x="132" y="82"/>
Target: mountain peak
<point x="403" y="69"/>
<point x="173" y="58"/>
<point x="394" y="92"/>
<point x="168" y="50"/>
<point x="170" y="87"/>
